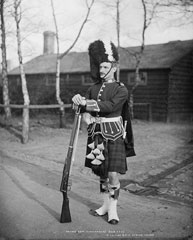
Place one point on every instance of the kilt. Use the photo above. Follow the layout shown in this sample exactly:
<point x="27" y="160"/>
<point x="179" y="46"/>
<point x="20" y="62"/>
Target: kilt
<point x="114" y="154"/>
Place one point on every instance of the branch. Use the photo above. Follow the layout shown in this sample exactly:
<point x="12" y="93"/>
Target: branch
<point x="81" y="28"/>
<point x="56" y="26"/>
<point x="145" y="25"/>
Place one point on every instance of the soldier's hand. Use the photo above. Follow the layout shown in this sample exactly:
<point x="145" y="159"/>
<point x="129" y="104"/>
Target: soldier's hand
<point x="79" y="100"/>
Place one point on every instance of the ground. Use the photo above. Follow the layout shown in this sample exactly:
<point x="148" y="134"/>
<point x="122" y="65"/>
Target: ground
<point x="161" y="169"/>
<point x="163" y="152"/>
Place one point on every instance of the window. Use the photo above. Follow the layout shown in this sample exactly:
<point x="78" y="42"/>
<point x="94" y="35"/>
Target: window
<point x="66" y="78"/>
<point x="50" y="80"/>
<point x="142" y="76"/>
<point x="87" y="80"/>
<point x="18" y="80"/>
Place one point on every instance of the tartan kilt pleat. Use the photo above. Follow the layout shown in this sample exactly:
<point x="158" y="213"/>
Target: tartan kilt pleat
<point x="114" y="153"/>
<point x="117" y="156"/>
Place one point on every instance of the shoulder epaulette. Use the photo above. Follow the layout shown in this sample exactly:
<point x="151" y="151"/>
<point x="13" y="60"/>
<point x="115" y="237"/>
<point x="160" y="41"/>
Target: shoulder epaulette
<point x="97" y="82"/>
<point x="121" y="84"/>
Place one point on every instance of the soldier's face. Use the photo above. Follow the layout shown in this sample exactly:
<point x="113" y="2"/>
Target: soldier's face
<point x="107" y="70"/>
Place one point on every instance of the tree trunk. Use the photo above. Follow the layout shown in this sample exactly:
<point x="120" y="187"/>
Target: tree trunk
<point x="25" y="125"/>
<point x="58" y="98"/>
<point x="4" y="66"/>
<point x="60" y="56"/>
<point x="138" y="57"/>
<point x="118" y="38"/>
<point x="62" y="112"/>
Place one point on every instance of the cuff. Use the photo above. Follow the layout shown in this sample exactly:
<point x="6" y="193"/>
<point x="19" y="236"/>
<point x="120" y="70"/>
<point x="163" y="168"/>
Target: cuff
<point x="92" y="106"/>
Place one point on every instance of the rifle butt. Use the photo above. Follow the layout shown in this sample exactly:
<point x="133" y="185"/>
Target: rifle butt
<point x="65" y="213"/>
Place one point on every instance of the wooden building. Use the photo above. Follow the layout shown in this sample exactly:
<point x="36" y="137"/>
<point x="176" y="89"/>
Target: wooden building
<point x="166" y="83"/>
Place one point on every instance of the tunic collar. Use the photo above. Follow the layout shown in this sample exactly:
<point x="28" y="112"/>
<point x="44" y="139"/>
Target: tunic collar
<point x="109" y="81"/>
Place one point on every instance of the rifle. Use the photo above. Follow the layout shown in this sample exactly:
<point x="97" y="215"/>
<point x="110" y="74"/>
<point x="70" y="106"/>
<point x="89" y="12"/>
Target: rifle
<point x="65" y="213"/>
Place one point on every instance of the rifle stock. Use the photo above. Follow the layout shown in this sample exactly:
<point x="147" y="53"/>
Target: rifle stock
<point x="65" y="213"/>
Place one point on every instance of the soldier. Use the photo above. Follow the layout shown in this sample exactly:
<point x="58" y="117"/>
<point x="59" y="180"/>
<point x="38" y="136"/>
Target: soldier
<point x="110" y="138"/>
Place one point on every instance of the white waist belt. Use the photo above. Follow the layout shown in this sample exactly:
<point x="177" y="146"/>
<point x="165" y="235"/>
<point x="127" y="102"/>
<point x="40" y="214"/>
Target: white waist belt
<point x="104" y="119"/>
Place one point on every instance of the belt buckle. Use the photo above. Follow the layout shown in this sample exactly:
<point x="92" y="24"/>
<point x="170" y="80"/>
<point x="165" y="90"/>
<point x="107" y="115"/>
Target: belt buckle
<point x="97" y="119"/>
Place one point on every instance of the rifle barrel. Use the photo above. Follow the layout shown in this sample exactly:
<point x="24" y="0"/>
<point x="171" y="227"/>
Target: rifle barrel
<point x="65" y="213"/>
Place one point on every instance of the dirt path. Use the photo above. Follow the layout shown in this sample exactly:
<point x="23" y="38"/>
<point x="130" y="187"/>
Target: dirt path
<point x="31" y="205"/>
<point x="162" y="153"/>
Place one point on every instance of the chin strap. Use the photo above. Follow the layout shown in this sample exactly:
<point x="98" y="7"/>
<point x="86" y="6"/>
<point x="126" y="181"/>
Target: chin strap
<point x="103" y="78"/>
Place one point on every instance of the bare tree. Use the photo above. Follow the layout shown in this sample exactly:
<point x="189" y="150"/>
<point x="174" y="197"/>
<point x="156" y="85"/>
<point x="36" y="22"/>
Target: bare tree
<point x="147" y="19"/>
<point x="58" y="98"/>
<point x="179" y="11"/>
<point x="116" y="5"/>
<point x="89" y="7"/>
<point x="185" y="6"/>
<point x="60" y="56"/>
<point x="154" y="9"/>
<point x="118" y="36"/>
<point x="25" y="125"/>
<point x="4" y="64"/>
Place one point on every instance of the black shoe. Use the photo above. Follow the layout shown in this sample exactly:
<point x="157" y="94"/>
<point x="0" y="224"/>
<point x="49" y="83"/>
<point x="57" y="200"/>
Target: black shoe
<point x="113" y="221"/>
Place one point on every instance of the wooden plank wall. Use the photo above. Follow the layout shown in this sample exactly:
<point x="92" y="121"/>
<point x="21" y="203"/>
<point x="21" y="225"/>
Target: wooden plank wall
<point x="171" y="95"/>
<point x="72" y="84"/>
<point x="43" y="92"/>
<point x="180" y="98"/>
<point x="155" y="92"/>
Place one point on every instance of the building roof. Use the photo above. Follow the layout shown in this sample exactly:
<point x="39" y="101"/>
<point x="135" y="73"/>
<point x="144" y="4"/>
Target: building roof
<point x="157" y="56"/>
<point x="72" y="62"/>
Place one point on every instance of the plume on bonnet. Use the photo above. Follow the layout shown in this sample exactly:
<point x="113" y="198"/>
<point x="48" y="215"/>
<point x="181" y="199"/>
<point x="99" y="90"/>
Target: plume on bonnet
<point x="101" y="51"/>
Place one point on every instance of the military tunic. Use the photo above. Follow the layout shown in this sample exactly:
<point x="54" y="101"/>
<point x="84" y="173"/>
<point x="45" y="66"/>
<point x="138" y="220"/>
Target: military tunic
<point x="105" y="106"/>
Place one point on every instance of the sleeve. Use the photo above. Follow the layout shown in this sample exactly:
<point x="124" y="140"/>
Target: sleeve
<point x="87" y="96"/>
<point x="114" y="104"/>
